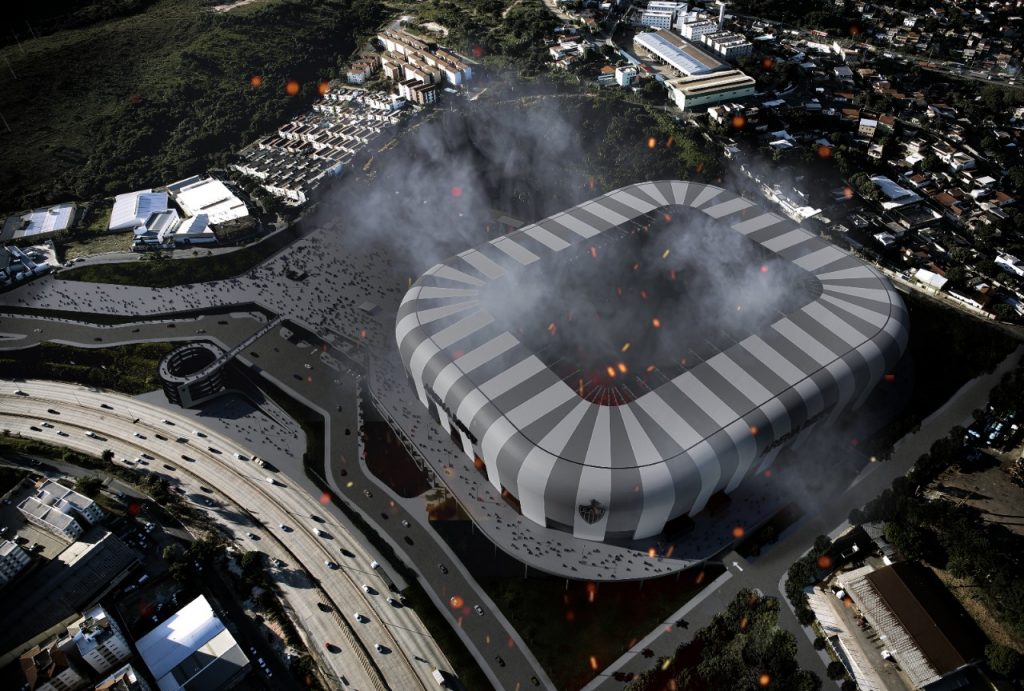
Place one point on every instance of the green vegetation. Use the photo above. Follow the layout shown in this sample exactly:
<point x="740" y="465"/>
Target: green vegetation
<point x="804" y="572"/>
<point x="130" y="369"/>
<point x="742" y="648"/>
<point x="944" y="340"/>
<point x="165" y="91"/>
<point x="89" y="485"/>
<point x="568" y="622"/>
<point x="19" y="446"/>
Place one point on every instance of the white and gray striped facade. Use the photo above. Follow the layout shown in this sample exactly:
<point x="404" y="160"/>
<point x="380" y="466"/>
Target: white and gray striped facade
<point x="621" y="472"/>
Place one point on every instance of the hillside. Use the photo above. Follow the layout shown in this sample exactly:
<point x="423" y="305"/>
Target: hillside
<point x="158" y="90"/>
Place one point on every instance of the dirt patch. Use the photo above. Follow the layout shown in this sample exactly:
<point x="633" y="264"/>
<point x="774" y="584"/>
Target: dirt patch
<point x="963" y="589"/>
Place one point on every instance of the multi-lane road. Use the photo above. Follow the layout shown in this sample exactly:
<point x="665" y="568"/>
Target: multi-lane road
<point x="310" y="539"/>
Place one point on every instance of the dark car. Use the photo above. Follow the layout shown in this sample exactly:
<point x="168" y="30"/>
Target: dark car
<point x="444" y="569"/>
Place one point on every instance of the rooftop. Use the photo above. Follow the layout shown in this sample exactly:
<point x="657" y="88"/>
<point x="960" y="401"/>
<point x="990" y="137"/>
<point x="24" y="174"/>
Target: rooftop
<point x="678" y="52"/>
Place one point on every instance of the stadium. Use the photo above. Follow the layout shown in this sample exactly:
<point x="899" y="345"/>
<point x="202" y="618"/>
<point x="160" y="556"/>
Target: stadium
<point x="614" y="366"/>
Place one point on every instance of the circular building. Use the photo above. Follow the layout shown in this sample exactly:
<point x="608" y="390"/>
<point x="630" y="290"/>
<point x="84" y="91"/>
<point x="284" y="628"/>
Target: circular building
<point x="613" y="366"/>
<point x="192" y="373"/>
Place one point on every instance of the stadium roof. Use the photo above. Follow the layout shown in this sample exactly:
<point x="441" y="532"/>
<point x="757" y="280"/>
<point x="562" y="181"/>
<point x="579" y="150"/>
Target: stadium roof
<point x="205" y="195"/>
<point x="38" y="222"/>
<point x="133" y="208"/>
<point x="678" y="52"/>
<point x="670" y="449"/>
<point x="191" y="650"/>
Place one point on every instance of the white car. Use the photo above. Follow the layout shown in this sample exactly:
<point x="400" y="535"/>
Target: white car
<point x="166" y="422"/>
<point x="330" y="565"/>
<point x="374" y="564"/>
<point x="361" y="618"/>
<point x="138" y="434"/>
<point x="198" y="433"/>
<point x="379" y="647"/>
<point x="366" y="588"/>
<point x="46" y="425"/>
<point x="271" y="481"/>
<point x="89" y="433"/>
<point x="241" y="457"/>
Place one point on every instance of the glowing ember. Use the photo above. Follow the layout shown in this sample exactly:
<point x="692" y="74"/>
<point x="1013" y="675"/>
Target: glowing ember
<point x="764" y="680"/>
<point x="664" y="255"/>
<point x="593" y="663"/>
<point x="700" y="578"/>
<point x="552" y="329"/>
<point x="651" y="143"/>
<point x="477" y="51"/>
<point x="325" y="498"/>
<point x="650" y="368"/>
<point x="622" y="367"/>
<point x="591" y="592"/>
<point x="643" y="294"/>
<point x="322" y="88"/>
<point x="764" y="268"/>
<point x="824" y="151"/>
<point x="456" y="191"/>
<point x="656" y="323"/>
<point x="738" y="121"/>
<point x="292" y="88"/>
<point x="362" y="333"/>
<point x="611" y="372"/>
<point x="667" y="217"/>
<point x="767" y="63"/>
<point x="753" y="430"/>
<point x="625" y="347"/>
<point x="737" y="532"/>
<point x="652" y="552"/>
<point x="256" y="81"/>
<point x="593" y="252"/>
<point x="848" y="192"/>
<point x="824" y="562"/>
<point x="743" y="623"/>
<point x="456" y="602"/>
<point x="890" y="378"/>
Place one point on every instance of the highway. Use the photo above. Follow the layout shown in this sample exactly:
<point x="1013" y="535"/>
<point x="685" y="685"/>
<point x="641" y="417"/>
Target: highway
<point x="410" y="653"/>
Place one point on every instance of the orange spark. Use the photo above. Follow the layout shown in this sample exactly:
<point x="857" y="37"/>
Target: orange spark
<point x="593" y="663"/>
<point x="764" y="268"/>
<point x="737" y="532"/>
<point x="256" y="81"/>
<point x="669" y="142"/>
<point x="625" y="347"/>
<point x="650" y="368"/>
<point x="325" y="498"/>
<point x="652" y="552"/>
<point x="738" y="121"/>
<point x="656" y="323"/>
<point x="890" y="378"/>
<point x="848" y="192"/>
<point x="591" y="592"/>
<point x="652" y="142"/>
<point x="669" y="551"/>
<point x="611" y="372"/>
<point x="667" y="217"/>
<point x="322" y="88"/>
<point x="743" y="623"/>
<point x="753" y="430"/>
<point x="456" y="602"/>
<point x="767" y="63"/>
<point x="593" y="252"/>
<point x="672" y="274"/>
<point x="362" y="333"/>
<point x="700" y="578"/>
<point x="622" y="367"/>
<point x="824" y="562"/>
<point x="764" y="680"/>
<point x="570" y="616"/>
<point x="552" y="329"/>
<point x="292" y="87"/>
<point x="664" y="255"/>
<point x="824" y="151"/>
<point x="700" y="167"/>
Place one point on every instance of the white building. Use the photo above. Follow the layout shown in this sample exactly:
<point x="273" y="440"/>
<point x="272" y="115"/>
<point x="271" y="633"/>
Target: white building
<point x="49" y="669"/>
<point x="123" y="679"/>
<point x="38" y="224"/>
<point x="12" y="560"/>
<point x="661" y="15"/>
<point x="694" y="30"/>
<point x="57" y="509"/>
<point x="99" y="640"/>
<point x="133" y="208"/>
<point x="699" y="91"/>
<point x="625" y="75"/>
<point x="728" y="44"/>
<point x="1010" y="264"/>
<point x="193" y="650"/>
<point x="207" y="195"/>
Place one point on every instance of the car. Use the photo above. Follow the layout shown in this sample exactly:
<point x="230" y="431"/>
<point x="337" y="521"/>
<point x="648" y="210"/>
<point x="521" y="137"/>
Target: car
<point x="139" y="435"/>
<point x="478" y="609"/>
<point x="368" y="494"/>
<point x="47" y="425"/>
<point x="444" y="569"/>
<point x="366" y="589"/>
<point x="61" y="433"/>
<point x="89" y="433"/>
<point x="393" y="602"/>
<point x="147" y="456"/>
<point x="535" y="681"/>
<point x="330" y="646"/>
<point x="271" y="480"/>
<point x="107" y="407"/>
<point x="19" y="392"/>
<point x="198" y="433"/>
<point x="241" y="457"/>
<point x="51" y="411"/>
<point x="187" y="458"/>
<point x="324" y="607"/>
<point x="500" y="660"/>
<point x="361" y="618"/>
<point x="34" y="428"/>
<point x="160" y="437"/>
<point x="379" y="647"/>
<point x="278" y="563"/>
<point x="405" y="523"/>
<point x="253" y="536"/>
<point x="36" y="461"/>
<point x="260" y="661"/>
<point x="285" y="528"/>
<point x="166" y="421"/>
<point x="213" y="449"/>
<point x="330" y="565"/>
<point x="169" y="467"/>
<point x="266" y="670"/>
<point x="374" y="564"/>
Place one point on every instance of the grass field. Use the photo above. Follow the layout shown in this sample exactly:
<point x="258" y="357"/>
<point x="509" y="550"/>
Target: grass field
<point x="130" y="369"/>
<point x="151" y="92"/>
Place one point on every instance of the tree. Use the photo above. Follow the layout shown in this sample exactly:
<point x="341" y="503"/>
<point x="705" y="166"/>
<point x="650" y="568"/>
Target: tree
<point x="173" y="553"/>
<point x="856" y="517"/>
<point x="835" y="670"/>
<point x="1003" y="660"/>
<point x="1004" y="312"/>
<point x="819" y="643"/>
<point x="107" y="456"/>
<point x="821" y="544"/>
<point x="848" y="685"/>
<point x="89" y="486"/>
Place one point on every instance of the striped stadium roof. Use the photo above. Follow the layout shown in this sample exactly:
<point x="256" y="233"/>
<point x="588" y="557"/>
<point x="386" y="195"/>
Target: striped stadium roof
<point x="623" y="471"/>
